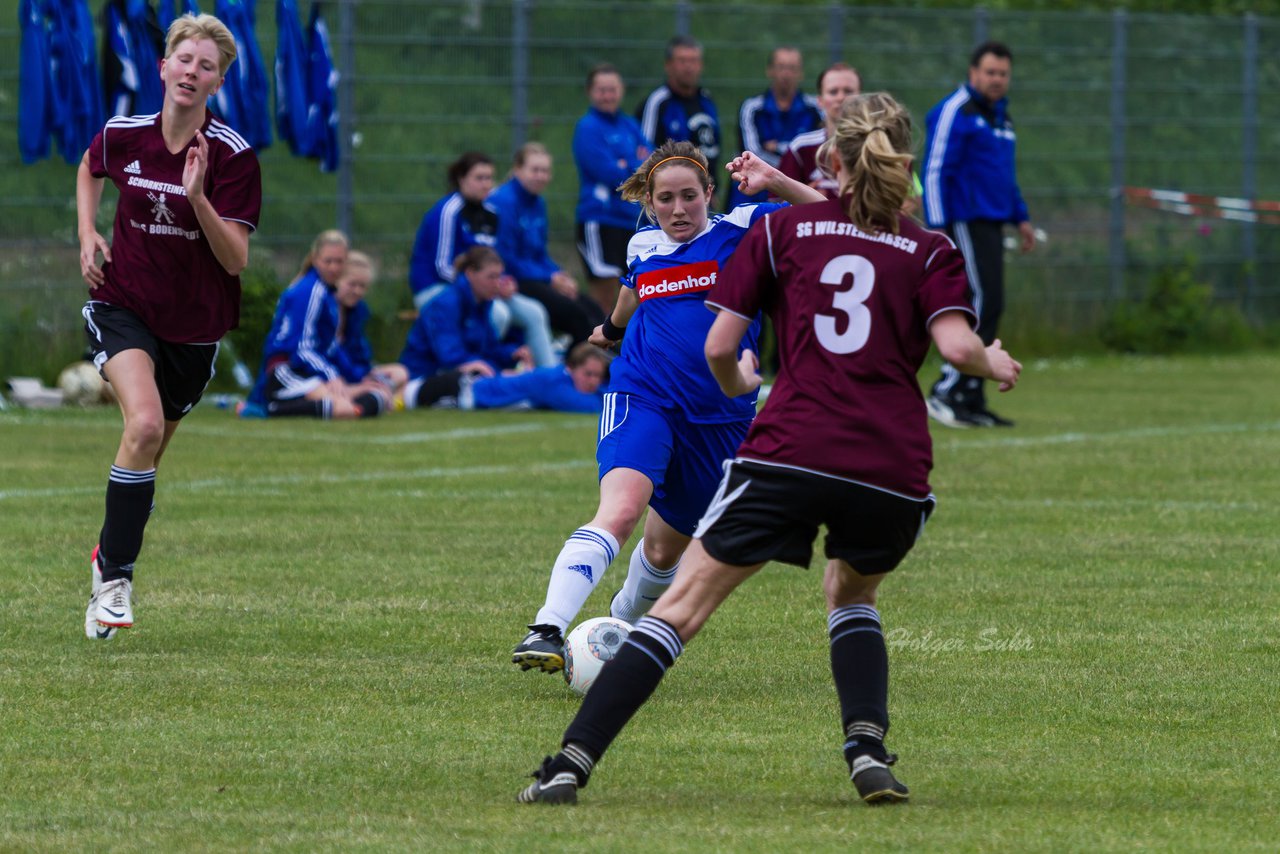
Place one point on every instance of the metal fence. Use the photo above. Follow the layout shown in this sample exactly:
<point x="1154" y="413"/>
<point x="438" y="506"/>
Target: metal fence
<point x="1102" y="102"/>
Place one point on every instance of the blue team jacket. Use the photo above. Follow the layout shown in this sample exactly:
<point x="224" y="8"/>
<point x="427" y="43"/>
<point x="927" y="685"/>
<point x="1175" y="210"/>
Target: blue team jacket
<point x="969" y="162"/>
<point x="446" y="231"/>
<point x="600" y="141"/>
<point x="761" y="119"/>
<point x="522" y="232"/>
<point x="665" y="115"/>
<point x="452" y="328"/>
<point x="305" y="327"/>
<point x="353" y="355"/>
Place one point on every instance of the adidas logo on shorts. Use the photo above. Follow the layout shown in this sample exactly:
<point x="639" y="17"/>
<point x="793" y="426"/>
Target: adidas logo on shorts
<point x="134" y="168"/>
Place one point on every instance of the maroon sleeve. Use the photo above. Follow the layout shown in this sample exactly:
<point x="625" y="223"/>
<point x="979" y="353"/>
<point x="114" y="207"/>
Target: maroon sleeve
<point x="236" y="191"/>
<point x="748" y="277"/>
<point x="943" y="284"/>
<point x="98" y="155"/>
<point x="791" y="166"/>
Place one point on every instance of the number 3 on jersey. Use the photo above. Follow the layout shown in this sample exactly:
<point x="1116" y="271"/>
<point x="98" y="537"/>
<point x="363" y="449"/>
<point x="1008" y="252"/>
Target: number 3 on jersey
<point x="849" y="303"/>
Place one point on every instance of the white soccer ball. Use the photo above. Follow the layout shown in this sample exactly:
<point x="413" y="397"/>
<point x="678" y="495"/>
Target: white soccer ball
<point x="588" y="647"/>
<point x="81" y="384"/>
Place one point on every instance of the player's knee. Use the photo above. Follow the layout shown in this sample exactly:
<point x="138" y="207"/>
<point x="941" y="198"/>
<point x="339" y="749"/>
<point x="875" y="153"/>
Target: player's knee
<point x="662" y="554"/>
<point x="844" y="586"/>
<point x="144" y="433"/>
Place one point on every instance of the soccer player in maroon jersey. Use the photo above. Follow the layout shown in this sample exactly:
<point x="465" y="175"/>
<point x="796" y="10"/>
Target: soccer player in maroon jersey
<point x="857" y="292"/>
<point x="169" y="288"/>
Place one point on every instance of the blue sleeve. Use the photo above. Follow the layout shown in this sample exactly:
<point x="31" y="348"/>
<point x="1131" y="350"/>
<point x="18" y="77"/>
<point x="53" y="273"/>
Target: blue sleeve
<point x="560" y="394"/>
<point x="444" y="337"/>
<point x="1020" y="212"/>
<point x="422" y="272"/>
<point x="510" y="246"/>
<point x="315" y="338"/>
<point x="598" y="164"/>
<point x="944" y="152"/>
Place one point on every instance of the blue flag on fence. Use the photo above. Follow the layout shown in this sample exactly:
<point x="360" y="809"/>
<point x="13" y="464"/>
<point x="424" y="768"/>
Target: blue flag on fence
<point x="291" y="78"/>
<point x="242" y="100"/>
<point x="75" y="96"/>
<point x="35" y="83"/>
<point x="322" y="94"/>
<point x="132" y="46"/>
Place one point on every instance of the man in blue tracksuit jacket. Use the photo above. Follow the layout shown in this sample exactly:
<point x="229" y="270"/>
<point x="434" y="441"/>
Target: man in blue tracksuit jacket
<point x="768" y="122"/>
<point x="681" y="109"/>
<point x="971" y="191"/>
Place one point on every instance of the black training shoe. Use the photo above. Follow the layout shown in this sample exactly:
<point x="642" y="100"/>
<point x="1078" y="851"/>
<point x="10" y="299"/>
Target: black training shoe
<point x="996" y="420"/>
<point x="875" y="782"/>
<point x="952" y="414"/>
<point x="548" y="788"/>
<point x="542" y="648"/>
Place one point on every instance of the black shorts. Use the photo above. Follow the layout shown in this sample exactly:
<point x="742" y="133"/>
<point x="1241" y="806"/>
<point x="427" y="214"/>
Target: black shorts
<point x="603" y="249"/>
<point x="183" y="371"/>
<point x="766" y="512"/>
<point x="283" y="383"/>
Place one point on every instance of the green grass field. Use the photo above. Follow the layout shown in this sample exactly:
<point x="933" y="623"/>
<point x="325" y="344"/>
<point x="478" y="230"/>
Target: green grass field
<point x="1084" y="643"/>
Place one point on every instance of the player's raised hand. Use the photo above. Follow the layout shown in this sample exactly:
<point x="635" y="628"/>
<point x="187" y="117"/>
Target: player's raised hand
<point x="752" y="174"/>
<point x="193" y="170"/>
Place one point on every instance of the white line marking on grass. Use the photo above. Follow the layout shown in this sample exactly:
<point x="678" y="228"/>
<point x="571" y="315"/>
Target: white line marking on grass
<point x="254" y="485"/>
<point x="1137" y="433"/>
<point x="459" y="433"/>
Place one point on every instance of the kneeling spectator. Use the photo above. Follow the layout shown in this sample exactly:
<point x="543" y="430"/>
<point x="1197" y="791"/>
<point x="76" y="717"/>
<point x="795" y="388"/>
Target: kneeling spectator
<point x="455" y="329"/>
<point x="575" y="387"/>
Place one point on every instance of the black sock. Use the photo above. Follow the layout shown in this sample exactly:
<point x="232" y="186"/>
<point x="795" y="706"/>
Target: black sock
<point x="370" y="405"/>
<point x="623" y="686"/>
<point x="436" y="388"/>
<point x="302" y="407"/>
<point x="129" y="497"/>
<point x="860" y="667"/>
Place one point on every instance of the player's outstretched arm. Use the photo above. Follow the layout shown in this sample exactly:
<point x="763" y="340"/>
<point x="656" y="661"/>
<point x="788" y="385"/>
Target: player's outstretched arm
<point x="754" y="175"/>
<point x="958" y="344"/>
<point x="618" y="319"/>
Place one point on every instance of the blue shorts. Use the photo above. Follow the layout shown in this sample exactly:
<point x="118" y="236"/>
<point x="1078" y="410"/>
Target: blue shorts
<point x="683" y="459"/>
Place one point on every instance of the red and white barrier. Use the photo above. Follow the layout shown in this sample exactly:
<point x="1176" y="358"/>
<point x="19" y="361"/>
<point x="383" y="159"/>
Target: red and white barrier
<point x="1196" y="204"/>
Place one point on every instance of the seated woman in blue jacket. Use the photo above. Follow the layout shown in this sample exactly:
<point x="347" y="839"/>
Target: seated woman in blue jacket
<point x="522" y="243"/>
<point x="457" y="222"/>
<point x="577" y="386"/>
<point x="454" y="329"/>
<point x="299" y="374"/>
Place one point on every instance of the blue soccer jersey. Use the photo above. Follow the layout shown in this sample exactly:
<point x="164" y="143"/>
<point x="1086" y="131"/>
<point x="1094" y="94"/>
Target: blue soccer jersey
<point x="662" y="354"/>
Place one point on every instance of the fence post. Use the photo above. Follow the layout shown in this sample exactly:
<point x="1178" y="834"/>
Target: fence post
<point x="346" y="118"/>
<point x="981" y="25"/>
<point x="835" y="27"/>
<point x="1249" y="154"/>
<point x="1118" y="261"/>
<point x="519" y="72"/>
<point x="684" y="11"/>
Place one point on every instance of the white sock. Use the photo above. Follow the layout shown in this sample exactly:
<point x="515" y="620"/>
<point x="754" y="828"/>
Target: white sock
<point x="409" y="394"/>
<point x="577" y="570"/>
<point x="645" y="583"/>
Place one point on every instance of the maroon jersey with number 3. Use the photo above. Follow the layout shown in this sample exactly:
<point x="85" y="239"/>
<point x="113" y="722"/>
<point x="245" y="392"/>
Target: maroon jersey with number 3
<point x="162" y="267"/>
<point x="852" y="314"/>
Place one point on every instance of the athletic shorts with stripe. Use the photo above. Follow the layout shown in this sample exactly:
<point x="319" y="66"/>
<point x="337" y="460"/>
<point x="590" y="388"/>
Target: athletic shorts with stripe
<point x="764" y="512"/>
<point x="603" y="249"/>
<point x="183" y="371"/>
<point x="683" y="459"/>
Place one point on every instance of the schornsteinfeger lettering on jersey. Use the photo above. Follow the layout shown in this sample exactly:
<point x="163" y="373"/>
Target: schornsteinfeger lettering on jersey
<point x="826" y="227"/>
<point x="662" y="353"/>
